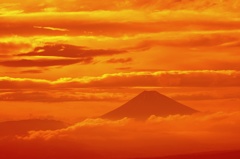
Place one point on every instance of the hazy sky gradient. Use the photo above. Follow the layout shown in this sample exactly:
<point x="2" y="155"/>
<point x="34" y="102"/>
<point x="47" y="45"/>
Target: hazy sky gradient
<point x="72" y="59"/>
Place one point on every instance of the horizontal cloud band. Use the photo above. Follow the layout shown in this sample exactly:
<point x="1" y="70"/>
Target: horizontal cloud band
<point x="203" y="78"/>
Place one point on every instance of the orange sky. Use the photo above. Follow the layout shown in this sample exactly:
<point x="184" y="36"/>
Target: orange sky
<point x="80" y="51"/>
<point x="70" y="59"/>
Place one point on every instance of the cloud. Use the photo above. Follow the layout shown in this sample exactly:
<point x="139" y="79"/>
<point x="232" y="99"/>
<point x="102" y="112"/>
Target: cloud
<point x="162" y="78"/>
<point x="158" y="35"/>
<point x="51" y="96"/>
<point x="9" y="47"/>
<point x="196" y="36"/>
<point x="63" y="6"/>
<point x="44" y="62"/>
<point x="120" y="60"/>
<point x="204" y="5"/>
<point x="123" y="68"/>
<point x="194" y="47"/>
<point x="196" y="39"/>
<point x="31" y="71"/>
<point x="205" y="96"/>
<point x="212" y="131"/>
<point x="94" y="88"/>
<point x="203" y="78"/>
<point x="91" y="5"/>
<point x="66" y="50"/>
<point x="51" y="28"/>
<point x="14" y="83"/>
<point x="117" y="23"/>
<point x="88" y="124"/>
<point x="72" y="54"/>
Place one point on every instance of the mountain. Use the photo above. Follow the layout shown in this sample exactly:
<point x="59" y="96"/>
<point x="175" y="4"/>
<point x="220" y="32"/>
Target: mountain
<point x="149" y="103"/>
<point x="21" y="127"/>
<point x="233" y="154"/>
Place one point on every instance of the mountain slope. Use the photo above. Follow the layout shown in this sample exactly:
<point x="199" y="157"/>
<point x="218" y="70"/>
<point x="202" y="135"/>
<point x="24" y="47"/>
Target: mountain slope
<point x="234" y="154"/>
<point x="149" y="103"/>
<point x="21" y="127"/>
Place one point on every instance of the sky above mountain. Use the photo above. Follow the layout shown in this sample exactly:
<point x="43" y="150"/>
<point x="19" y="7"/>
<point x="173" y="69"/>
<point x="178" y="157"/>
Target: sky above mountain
<point x="79" y="51"/>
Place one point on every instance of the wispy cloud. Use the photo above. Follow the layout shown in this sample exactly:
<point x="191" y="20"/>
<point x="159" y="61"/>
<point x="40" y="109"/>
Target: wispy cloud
<point x="51" y="28"/>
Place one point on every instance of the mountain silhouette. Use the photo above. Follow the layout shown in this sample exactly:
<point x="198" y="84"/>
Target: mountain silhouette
<point x="21" y="127"/>
<point x="228" y="154"/>
<point x="149" y="103"/>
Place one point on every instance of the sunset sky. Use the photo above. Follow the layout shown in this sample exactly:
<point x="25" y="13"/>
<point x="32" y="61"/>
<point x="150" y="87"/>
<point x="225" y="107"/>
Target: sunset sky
<point x="71" y="59"/>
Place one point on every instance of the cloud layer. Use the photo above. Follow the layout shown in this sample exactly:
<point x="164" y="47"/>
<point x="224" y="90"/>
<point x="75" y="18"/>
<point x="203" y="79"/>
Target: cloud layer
<point x="155" y="137"/>
<point x="164" y="35"/>
<point x="79" y="89"/>
<point x="205" y="78"/>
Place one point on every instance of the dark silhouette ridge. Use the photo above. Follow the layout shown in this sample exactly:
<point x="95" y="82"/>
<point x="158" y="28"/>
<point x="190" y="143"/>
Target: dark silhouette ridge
<point x="21" y="127"/>
<point x="233" y="154"/>
<point x="149" y="103"/>
<point x="40" y="149"/>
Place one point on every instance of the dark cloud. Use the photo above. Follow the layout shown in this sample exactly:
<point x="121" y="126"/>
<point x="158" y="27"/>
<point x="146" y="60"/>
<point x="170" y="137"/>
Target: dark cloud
<point x="11" y="47"/>
<point x="119" y="60"/>
<point x="73" y="54"/>
<point x="44" y="62"/>
<point x="78" y="54"/>
<point x="31" y="96"/>
<point x="66" y="50"/>
<point x="31" y="71"/>
<point x="52" y="96"/>
<point x="123" y="68"/>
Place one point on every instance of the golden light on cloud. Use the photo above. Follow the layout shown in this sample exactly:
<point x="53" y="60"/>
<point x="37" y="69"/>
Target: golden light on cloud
<point x="63" y="64"/>
<point x="51" y="28"/>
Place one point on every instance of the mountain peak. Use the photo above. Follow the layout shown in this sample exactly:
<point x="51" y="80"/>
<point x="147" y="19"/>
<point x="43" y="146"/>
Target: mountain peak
<point x="149" y="103"/>
<point x="150" y="92"/>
